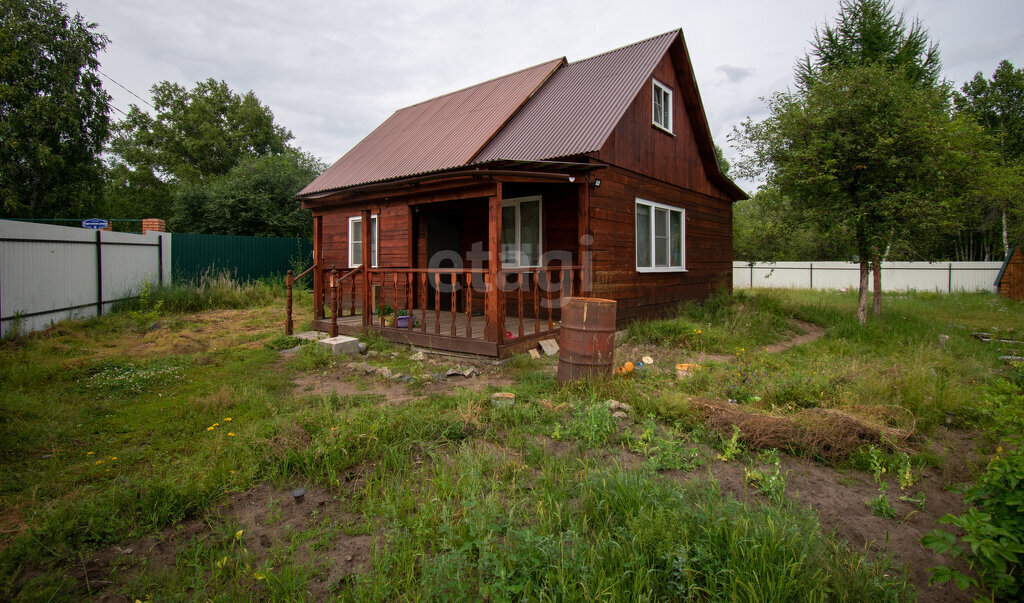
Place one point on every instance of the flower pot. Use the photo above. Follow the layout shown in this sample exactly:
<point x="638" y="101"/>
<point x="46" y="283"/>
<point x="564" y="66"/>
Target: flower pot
<point x="402" y="322"/>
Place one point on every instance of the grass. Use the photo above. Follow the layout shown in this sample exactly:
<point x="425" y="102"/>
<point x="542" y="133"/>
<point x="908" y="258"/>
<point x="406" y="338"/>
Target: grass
<point x="895" y="360"/>
<point x="112" y="430"/>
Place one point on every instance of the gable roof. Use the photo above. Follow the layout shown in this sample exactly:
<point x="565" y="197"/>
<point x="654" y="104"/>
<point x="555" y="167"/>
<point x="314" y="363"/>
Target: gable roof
<point x="550" y="111"/>
<point x="578" y="108"/>
<point x="439" y="133"/>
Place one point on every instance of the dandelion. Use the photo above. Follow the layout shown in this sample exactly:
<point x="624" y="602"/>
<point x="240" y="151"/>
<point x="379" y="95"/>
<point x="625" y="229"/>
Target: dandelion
<point x="113" y="458"/>
<point x="99" y="462"/>
<point x="226" y="419"/>
<point x="231" y="435"/>
<point x="210" y="428"/>
<point x="88" y="453"/>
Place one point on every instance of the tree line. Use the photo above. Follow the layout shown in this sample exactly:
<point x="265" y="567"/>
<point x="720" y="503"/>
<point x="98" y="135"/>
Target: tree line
<point x="206" y="159"/>
<point x="872" y="156"/>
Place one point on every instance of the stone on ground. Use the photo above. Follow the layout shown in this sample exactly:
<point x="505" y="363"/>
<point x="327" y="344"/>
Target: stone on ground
<point x="342" y="344"/>
<point x="549" y="346"/>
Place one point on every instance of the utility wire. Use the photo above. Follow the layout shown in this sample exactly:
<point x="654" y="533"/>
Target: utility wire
<point x="125" y="89"/>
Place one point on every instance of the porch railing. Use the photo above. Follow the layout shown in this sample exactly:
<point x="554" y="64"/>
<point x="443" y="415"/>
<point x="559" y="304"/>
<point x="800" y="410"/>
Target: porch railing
<point x="528" y="297"/>
<point x="448" y="302"/>
<point x="537" y="291"/>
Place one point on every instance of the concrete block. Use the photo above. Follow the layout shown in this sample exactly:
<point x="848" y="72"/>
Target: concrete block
<point x="342" y="344"/>
<point x="549" y="346"/>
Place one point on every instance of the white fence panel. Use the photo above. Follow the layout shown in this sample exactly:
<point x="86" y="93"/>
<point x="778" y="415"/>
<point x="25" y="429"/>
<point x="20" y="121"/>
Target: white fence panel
<point x="48" y="273"/>
<point x="942" y="277"/>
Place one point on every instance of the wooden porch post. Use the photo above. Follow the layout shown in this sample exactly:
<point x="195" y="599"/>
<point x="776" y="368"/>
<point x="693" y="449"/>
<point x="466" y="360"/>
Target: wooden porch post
<point x="584" y="237"/>
<point x="367" y="246"/>
<point x="495" y="327"/>
<point x="318" y="276"/>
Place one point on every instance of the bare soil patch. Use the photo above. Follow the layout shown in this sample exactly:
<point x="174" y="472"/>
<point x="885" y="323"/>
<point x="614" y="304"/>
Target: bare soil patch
<point x="349" y="379"/>
<point x="269" y="518"/>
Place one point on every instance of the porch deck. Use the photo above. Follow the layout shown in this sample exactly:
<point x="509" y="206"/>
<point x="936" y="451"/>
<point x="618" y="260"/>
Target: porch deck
<point x="436" y="332"/>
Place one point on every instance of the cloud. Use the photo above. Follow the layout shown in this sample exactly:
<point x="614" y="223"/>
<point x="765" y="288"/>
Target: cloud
<point x="734" y="74"/>
<point x="333" y="71"/>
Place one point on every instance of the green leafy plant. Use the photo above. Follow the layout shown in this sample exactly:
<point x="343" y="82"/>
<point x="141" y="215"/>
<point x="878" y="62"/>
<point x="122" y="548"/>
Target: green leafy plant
<point x="769" y="481"/>
<point x="663" y="452"/>
<point x="732" y="446"/>
<point x="993" y="530"/>
<point x="146" y="310"/>
<point x="918" y="501"/>
<point x="592" y="426"/>
<point x="908" y="477"/>
<point x="880" y="504"/>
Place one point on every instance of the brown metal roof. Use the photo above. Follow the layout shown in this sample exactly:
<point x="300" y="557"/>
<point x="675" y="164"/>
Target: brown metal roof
<point x="551" y="111"/>
<point x="578" y="108"/>
<point x="440" y="133"/>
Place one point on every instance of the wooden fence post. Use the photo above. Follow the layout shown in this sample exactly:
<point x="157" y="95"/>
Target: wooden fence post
<point x="289" y="280"/>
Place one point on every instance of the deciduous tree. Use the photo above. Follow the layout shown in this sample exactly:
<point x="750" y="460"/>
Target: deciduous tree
<point x="53" y="111"/>
<point x="998" y="105"/>
<point x="195" y="137"/>
<point x="256" y="198"/>
<point x="861" y="149"/>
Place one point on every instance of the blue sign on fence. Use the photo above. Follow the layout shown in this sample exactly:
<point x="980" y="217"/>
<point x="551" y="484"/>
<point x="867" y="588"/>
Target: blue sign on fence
<point x="94" y="223"/>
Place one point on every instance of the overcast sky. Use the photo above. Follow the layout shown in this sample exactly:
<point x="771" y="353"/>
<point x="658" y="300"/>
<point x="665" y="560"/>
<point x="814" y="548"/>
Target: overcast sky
<point x="332" y="71"/>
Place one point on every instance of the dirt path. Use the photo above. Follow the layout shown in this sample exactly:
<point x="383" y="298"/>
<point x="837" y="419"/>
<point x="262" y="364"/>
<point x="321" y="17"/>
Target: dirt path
<point x="811" y="332"/>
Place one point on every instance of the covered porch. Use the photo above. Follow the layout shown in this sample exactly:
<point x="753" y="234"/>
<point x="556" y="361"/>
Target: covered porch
<point x="459" y="265"/>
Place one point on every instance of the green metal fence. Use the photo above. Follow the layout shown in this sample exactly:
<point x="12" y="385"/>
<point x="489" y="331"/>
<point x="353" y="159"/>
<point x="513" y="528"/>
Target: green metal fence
<point x="245" y="258"/>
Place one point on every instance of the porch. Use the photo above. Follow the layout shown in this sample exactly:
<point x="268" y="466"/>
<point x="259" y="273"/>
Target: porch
<point x="476" y="261"/>
<point x="448" y="309"/>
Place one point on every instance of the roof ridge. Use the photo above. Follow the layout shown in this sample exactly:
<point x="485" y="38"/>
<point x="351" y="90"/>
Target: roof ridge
<point x="644" y="41"/>
<point x="478" y="84"/>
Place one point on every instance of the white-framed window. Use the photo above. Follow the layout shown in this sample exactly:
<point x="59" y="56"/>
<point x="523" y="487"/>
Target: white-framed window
<point x="355" y="241"/>
<point x="660" y="237"/>
<point x="662" y="106"/>
<point x="521" y="229"/>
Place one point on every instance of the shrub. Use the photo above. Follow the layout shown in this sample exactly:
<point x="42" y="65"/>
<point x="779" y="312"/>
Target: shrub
<point x="993" y="530"/>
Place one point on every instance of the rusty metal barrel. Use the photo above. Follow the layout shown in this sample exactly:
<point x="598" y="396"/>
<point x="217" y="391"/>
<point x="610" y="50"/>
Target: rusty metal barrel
<point x="586" y="345"/>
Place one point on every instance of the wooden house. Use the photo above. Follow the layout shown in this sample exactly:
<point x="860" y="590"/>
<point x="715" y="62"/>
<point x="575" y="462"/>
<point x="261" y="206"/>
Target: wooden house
<point x="1010" y="282"/>
<point x="476" y="212"/>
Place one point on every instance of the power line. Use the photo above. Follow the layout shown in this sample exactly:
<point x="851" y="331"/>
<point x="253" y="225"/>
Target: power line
<point x="126" y="89"/>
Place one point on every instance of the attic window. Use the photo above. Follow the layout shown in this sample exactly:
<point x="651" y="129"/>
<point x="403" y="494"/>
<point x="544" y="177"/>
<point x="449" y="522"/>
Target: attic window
<point x="662" y="106"/>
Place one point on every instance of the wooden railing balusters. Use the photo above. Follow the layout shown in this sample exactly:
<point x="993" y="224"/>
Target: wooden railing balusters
<point x="437" y="304"/>
<point x="537" y="303"/>
<point x="455" y="307"/>
<point x="409" y="299"/>
<point x="394" y="294"/>
<point x="423" y="302"/>
<point x="468" y="294"/>
<point x="547" y="292"/>
<point x="519" y="295"/>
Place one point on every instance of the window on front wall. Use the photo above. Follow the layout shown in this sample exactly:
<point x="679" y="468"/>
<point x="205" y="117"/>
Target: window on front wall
<point x="660" y="237"/>
<point x="520" y="232"/>
<point x="355" y="241"/>
<point x="662" y="106"/>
